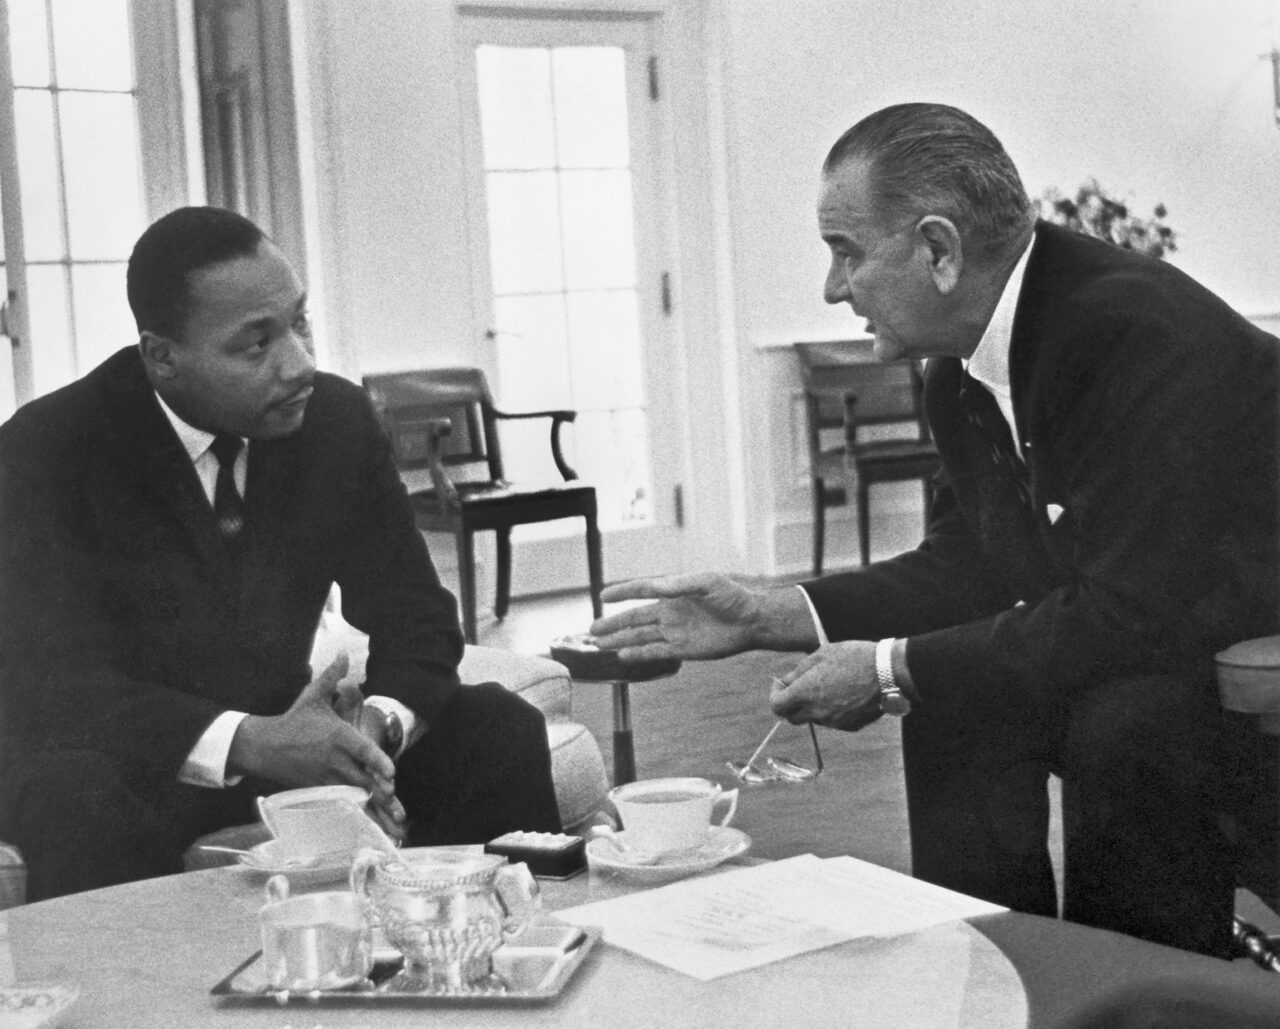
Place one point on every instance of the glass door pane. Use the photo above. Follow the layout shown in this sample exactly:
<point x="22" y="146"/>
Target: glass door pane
<point x="555" y="138"/>
<point x="78" y="180"/>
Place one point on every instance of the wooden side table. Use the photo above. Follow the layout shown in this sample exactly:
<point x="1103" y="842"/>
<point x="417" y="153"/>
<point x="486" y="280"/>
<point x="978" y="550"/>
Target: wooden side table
<point x="586" y="664"/>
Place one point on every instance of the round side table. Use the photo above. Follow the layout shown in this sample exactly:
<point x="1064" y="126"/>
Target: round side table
<point x="587" y="664"/>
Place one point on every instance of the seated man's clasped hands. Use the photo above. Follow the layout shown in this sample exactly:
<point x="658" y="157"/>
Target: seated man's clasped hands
<point x="1104" y="522"/>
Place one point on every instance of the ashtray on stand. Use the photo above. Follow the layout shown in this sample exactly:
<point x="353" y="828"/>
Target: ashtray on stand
<point x="586" y="662"/>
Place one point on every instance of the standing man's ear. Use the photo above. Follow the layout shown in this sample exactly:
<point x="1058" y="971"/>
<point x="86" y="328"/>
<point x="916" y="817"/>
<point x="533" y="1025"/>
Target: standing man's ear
<point x="945" y="251"/>
<point x="157" y="354"/>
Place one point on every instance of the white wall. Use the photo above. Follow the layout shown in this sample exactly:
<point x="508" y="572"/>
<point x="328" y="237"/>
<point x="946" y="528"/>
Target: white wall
<point x="1162" y="100"/>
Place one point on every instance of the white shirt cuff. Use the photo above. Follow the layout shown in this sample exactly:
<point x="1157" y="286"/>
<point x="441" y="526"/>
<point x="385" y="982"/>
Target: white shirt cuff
<point x="408" y="720"/>
<point x="206" y="765"/>
<point x="823" y="640"/>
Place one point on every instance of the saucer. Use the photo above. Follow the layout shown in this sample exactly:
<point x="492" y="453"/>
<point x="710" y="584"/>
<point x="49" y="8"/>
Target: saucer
<point x="723" y="843"/>
<point x="325" y="868"/>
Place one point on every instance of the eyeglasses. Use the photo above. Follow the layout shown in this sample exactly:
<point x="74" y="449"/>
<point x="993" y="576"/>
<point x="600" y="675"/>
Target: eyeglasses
<point x="777" y="769"/>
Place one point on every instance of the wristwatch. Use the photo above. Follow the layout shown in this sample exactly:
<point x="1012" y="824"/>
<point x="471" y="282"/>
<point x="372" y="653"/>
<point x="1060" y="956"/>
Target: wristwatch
<point x="892" y="700"/>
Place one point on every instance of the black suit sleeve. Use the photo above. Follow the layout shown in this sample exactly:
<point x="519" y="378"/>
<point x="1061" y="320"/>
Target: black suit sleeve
<point x="390" y="588"/>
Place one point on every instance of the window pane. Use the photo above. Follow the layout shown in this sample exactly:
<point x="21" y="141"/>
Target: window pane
<point x="611" y="452"/>
<point x="591" y="107"/>
<point x="38" y="175"/>
<point x="599" y="242"/>
<point x="104" y="323"/>
<point x="515" y="107"/>
<point x="29" y="42"/>
<point x="51" y="351"/>
<point x="533" y="355"/>
<point x="524" y="232"/>
<point x="91" y="44"/>
<point x="604" y="338"/>
<point x="104" y="187"/>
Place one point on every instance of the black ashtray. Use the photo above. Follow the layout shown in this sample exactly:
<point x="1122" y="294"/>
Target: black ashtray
<point x="549" y="855"/>
<point x="585" y="660"/>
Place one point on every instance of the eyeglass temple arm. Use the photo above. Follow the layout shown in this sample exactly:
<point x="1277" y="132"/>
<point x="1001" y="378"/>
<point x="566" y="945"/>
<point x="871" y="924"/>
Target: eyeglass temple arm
<point x="817" y="751"/>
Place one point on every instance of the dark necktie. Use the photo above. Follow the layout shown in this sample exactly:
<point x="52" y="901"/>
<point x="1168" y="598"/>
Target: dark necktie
<point x="983" y="412"/>
<point x="228" y="505"/>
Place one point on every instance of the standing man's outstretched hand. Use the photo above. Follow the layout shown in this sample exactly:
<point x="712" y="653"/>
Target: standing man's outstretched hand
<point x="701" y="616"/>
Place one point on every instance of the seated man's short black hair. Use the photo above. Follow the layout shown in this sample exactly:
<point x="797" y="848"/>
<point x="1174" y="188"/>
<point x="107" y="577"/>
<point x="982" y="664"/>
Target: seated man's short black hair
<point x="177" y="244"/>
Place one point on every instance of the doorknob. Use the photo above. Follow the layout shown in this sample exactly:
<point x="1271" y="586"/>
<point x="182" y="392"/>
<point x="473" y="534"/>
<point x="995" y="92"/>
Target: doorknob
<point x="6" y="327"/>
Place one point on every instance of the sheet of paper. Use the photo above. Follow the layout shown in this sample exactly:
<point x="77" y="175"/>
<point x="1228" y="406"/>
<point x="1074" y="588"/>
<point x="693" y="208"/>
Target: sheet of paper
<point x="746" y="917"/>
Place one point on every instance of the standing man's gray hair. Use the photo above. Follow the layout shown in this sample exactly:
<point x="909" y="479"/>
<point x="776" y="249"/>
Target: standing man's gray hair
<point x="934" y="159"/>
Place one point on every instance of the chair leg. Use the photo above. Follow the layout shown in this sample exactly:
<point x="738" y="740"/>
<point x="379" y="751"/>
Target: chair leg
<point x="502" y="602"/>
<point x="467" y="585"/>
<point x="864" y="521"/>
<point x="595" y="564"/>
<point x="819" y="527"/>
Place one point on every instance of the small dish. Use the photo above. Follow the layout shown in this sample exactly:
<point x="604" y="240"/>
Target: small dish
<point x="265" y="858"/>
<point x="723" y="842"/>
<point x="35" y="1005"/>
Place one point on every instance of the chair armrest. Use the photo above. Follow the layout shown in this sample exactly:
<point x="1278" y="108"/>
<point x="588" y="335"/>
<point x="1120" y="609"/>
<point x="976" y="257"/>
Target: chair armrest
<point x="447" y="494"/>
<point x="558" y="418"/>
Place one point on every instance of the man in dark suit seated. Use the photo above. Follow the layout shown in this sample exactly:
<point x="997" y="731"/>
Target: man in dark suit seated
<point x="171" y="526"/>
<point x="1105" y="520"/>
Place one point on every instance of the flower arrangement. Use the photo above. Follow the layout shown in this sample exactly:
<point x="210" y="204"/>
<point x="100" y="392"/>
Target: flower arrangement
<point x="1096" y="214"/>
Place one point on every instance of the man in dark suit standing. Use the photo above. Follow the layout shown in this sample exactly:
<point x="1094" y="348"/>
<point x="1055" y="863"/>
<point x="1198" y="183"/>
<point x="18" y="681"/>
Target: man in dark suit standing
<point x="171" y="526"/>
<point x="1104" y="522"/>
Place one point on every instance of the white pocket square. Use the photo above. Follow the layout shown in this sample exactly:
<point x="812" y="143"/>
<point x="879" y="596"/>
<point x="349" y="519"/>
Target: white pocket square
<point x="1054" y="511"/>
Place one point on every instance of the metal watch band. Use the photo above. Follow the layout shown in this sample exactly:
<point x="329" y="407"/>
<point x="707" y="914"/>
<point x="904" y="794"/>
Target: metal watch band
<point x="892" y="700"/>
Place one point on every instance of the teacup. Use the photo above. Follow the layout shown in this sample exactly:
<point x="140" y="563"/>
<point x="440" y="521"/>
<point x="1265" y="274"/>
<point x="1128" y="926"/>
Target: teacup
<point x="317" y="821"/>
<point x="316" y="941"/>
<point x="661" y="816"/>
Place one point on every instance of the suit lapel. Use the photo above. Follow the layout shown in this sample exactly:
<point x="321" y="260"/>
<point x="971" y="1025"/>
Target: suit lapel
<point x="1004" y="524"/>
<point x="149" y="452"/>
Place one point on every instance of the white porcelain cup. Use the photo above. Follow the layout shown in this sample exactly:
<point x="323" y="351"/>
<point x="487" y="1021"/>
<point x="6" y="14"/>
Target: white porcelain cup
<point x="317" y="820"/>
<point x="661" y="816"/>
<point x="315" y="941"/>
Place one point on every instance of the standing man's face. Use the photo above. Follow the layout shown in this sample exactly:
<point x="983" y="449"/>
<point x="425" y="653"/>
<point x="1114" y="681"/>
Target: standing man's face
<point x="246" y="361"/>
<point x="881" y="270"/>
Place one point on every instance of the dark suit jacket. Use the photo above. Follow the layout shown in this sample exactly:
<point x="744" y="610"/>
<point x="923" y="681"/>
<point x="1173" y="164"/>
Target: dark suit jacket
<point x="124" y="626"/>
<point x="1148" y="411"/>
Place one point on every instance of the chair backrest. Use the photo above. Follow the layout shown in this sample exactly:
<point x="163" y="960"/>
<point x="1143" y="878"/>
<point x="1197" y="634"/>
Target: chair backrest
<point x="407" y="402"/>
<point x="846" y="386"/>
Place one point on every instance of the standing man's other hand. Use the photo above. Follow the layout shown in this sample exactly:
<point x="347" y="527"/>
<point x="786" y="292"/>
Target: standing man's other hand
<point x="834" y="686"/>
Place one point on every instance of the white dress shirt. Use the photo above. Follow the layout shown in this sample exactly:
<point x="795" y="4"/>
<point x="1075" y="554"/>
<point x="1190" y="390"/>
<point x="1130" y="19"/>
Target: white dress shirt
<point x="206" y="764"/>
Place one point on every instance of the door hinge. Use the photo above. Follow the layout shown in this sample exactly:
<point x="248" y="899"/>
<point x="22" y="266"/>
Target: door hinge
<point x="678" y="497"/>
<point x="666" y="293"/>
<point x="653" y="78"/>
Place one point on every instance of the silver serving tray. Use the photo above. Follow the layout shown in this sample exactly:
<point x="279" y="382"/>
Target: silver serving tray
<point x="533" y="968"/>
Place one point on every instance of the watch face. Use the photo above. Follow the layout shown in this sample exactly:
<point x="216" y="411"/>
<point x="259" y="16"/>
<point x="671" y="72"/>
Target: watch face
<point x="894" y="703"/>
<point x="393" y="735"/>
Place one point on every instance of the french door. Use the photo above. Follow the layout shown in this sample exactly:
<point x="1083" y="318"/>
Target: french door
<point x="74" y="193"/>
<point x="572" y="299"/>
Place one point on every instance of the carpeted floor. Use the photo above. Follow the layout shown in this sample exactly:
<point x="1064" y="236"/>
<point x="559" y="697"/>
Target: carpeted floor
<point x="712" y="711"/>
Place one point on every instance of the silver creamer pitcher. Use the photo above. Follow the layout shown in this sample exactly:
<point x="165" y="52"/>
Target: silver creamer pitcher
<point x="446" y="912"/>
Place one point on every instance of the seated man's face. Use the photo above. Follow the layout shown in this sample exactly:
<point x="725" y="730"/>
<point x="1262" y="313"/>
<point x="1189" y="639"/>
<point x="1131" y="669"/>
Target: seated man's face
<point x="245" y="361"/>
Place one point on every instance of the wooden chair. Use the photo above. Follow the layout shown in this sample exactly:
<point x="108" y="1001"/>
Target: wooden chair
<point x="846" y="388"/>
<point x="443" y="420"/>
